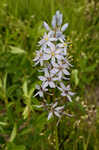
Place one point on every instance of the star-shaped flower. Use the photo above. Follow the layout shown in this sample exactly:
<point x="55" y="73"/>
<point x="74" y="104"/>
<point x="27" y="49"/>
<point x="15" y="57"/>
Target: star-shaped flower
<point x="39" y="57"/>
<point x="46" y="26"/>
<point x="41" y="90"/>
<point x="63" y="45"/>
<point x="60" y="69"/>
<point x="47" y="39"/>
<point x="54" y="110"/>
<point x="53" y="53"/>
<point x="48" y="80"/>
<point x="66" y="91"/>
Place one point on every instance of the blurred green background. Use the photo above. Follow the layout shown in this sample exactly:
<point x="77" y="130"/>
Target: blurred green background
<point x="22" y="127"/>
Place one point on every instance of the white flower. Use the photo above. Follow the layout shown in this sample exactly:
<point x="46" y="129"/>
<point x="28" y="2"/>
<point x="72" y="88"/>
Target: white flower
<point x="60" y="69"/>
<point x="65" y="61"/>
<point x="43" y="105"/>
<point x="57" y="111"/>
<point x="55" y="66"/>
<point x="63" y="45"/>
<point x="39" y="57"/>
<point x="48" y="80"/>
<point x="57" y="34"/>
<point x="47" y="39"/>
<point x="54" y="22"/>
<point x="41" y="91"/>
<point x="66" y="91"/>
<point x="46" y="26"/>
<point x="59" y="17"/>
<point x="53" y="53"/>
<point x="64" y="27"/>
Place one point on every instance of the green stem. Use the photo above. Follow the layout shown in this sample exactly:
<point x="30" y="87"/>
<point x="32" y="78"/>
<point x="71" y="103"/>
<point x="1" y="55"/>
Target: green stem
<point x="57" y="142"/>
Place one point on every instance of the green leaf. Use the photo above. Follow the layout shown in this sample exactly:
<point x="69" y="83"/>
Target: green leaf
<point x="75" y="76"/>
<point x="5" y="81"/>
<point x="25" y="88"/>
<point x="41" y="121"/>
<point x="26" y="131"/>
<point x="16" y="50"/>
<point x="3" y="123"/>
<point x="26" y="112"/>
<point x="12" y="146"/>
<point x="13" y="134"/>
<point x="19" y="147"/>
<point x="31" y="92"/>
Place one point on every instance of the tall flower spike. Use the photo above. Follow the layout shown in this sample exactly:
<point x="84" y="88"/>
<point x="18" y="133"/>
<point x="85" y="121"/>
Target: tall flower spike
<point x="52" y="57"/>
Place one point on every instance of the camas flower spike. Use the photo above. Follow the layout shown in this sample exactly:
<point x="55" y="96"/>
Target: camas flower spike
<point x="52" y="57"/>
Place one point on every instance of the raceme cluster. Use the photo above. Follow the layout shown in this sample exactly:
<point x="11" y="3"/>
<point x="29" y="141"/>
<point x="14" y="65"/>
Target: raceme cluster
<point x="52" y="58"/>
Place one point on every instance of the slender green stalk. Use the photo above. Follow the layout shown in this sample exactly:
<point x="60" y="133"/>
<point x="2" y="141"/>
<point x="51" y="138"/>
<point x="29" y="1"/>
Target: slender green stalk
<point x="57" y="140"/>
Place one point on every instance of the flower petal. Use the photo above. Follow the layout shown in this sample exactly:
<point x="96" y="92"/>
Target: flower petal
<point x="59" y="108"/>
<point x="60" y="57"/>
<point x="41" y="94"/>
<point x="46" y="56"/>
<point x="57" y="114"/>
<point x="71" y="93"/>
<point x="69" y="98"/>
<point x="62" y="85"/>
<point x="51" y="84"/>
<point x="45" y="84"/>
<point x="49" y="115"/>
<point x="46" y="26"/>
<point x="60" y="89"/>
<point x="60" y="19"/>
<point x="37" y="87"/>
<point x="55" y="104"/>
<point x="54" y="21"/>
<point x="66" y="72"/>
<point x="42" y="78"/>
<point x="60" y="74"/>
<point x="41" y="42"/>
<point x="36" y="94"/>
<point x="64" y="27"/>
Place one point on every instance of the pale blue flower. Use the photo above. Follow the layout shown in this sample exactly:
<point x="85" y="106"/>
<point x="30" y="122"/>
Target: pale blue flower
<point x="53" y="53"/>
<point x="47" y="39"/>
<point x="41" y="90"/>
<point x="46" y="26"/>
<point x="48" y="80"/>
<point x="60" y="69"/>
<point x="52" y="56"/>
<point x="63" y="45"/>
<point x="66" y="91"/>
<point x="55" y="111"/>
<point x="59" y="18"/>
<point x="64" y="27"/>
<point x="54" y="22"/>
<point x="39" y="57"/>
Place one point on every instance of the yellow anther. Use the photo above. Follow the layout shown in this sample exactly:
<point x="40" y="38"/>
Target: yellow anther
<point x="65" y="44"/>
<point x="41" y="54"/>
<point x="70" y="44"/>
<point x="46" y="38"/>
<point x="53" y="54"/>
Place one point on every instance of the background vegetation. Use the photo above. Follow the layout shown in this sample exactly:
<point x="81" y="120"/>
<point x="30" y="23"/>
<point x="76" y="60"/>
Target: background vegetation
<point x="21" y="126"/>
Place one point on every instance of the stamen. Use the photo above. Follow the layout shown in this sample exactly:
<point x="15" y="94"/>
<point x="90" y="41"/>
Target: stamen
<point x="53" y="53"/>
<point x="41" y="54"/>
<point x="65" y="44"/>
<point x="46" y="38"/>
